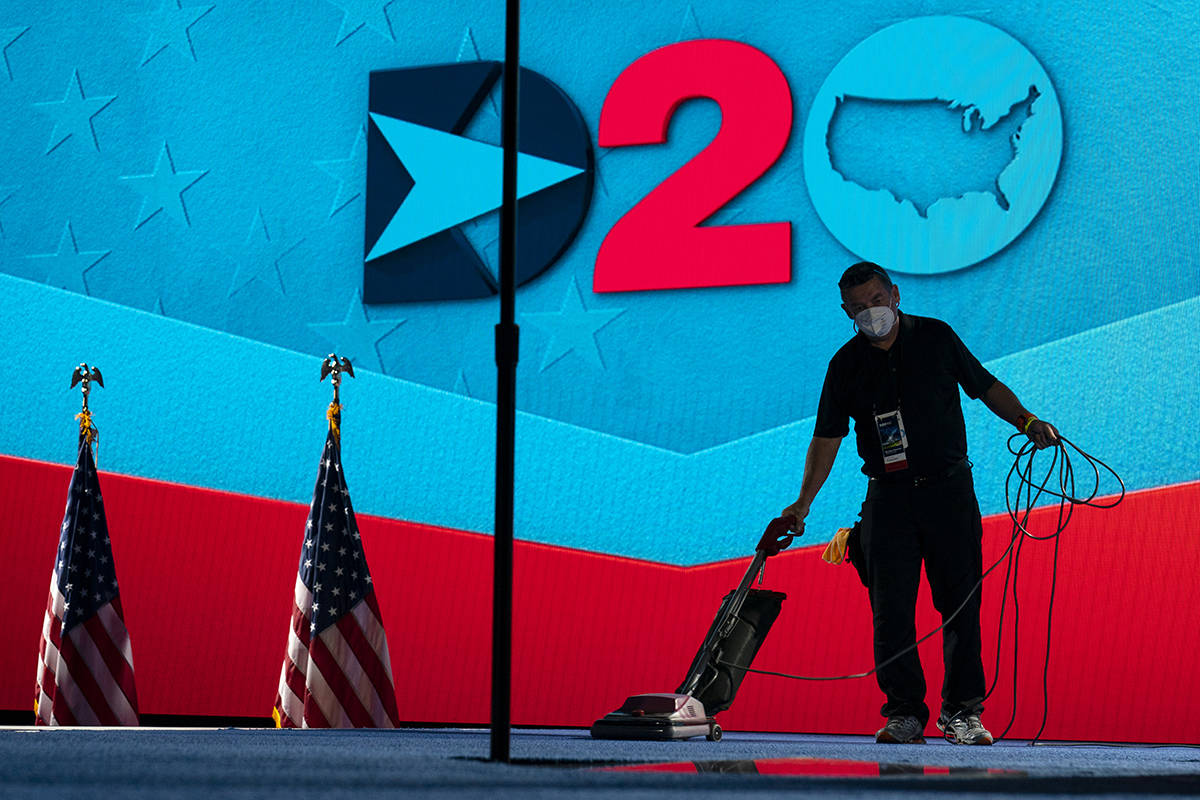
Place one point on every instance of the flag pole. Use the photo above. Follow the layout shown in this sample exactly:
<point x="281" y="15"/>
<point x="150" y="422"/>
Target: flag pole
<point x="85" y="667"/>
<point x="334" y="366"/>
<point x="506" y="400"/>
<point x="85" y="375"/>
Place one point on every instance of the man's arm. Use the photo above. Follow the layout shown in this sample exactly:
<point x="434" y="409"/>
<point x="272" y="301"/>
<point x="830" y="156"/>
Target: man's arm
<point x="821" y="453"/>
<point x="1005" y="405"/>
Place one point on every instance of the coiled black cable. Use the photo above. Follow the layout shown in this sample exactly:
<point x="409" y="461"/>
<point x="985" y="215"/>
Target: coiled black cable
<point x="1019" y="512"/>
<point x="1027" y="495"/>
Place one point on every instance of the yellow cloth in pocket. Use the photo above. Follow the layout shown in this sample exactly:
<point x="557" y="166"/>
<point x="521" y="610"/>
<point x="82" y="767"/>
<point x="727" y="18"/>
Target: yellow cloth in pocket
<point x="835" y="551"/>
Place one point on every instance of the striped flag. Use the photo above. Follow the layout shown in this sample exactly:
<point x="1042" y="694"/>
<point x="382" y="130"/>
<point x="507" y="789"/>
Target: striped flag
<point x="337" y="673"/>
<point x="85" y="665"/>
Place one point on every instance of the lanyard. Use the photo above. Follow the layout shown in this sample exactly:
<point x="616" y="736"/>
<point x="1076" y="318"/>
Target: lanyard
<point x="891" y="368"/>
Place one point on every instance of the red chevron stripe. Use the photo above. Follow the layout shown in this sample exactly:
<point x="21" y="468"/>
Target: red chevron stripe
<point x="591" y="628"/>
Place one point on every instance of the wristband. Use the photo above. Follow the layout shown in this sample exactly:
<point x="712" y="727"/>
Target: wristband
<point x="1024" y="421"/>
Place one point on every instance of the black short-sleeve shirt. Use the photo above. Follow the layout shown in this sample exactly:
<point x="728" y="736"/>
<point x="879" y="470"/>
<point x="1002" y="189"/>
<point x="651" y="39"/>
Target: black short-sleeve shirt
<point x="920" y="374"/>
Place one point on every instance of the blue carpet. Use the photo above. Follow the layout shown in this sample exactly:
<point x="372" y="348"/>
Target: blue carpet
<point x="199" y="764"/>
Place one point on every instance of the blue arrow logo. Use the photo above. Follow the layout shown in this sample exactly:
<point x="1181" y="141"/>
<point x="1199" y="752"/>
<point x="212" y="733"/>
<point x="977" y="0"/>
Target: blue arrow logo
<point x="455" y="179"/>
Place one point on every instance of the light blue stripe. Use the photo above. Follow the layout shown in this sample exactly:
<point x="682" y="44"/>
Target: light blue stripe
<point x="196" y="406"/>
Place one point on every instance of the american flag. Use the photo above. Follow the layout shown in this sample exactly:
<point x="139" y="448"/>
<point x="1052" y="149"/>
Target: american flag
<point x="337" y="673"/>
<point x="85" y="665"/>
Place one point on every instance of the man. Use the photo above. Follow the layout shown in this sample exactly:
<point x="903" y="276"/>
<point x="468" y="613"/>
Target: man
<point x="899" y="378"/>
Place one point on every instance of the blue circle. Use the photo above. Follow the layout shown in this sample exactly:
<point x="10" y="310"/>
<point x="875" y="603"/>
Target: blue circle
<point x="971" y="66"/>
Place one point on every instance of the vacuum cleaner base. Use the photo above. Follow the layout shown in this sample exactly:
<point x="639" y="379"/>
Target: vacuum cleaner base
<point x="712" y="680"/>
<point x="658" y="716"/>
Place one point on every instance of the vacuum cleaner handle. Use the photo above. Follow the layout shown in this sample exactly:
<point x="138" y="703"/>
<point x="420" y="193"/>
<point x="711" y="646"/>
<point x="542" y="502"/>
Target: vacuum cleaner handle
<point x="722" y="625"/>
<point x="778" y="536"/>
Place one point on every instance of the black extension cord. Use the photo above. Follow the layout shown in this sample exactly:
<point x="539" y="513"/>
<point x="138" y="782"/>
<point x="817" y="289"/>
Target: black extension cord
<point x="1019" y="512"/>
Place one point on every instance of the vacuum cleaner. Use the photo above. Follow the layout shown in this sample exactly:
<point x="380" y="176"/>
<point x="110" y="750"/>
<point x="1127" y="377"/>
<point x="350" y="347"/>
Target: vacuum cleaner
<point x="712" y="681"/>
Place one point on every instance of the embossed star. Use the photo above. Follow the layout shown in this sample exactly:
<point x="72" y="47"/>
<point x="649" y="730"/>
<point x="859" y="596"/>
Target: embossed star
<point x="572" y="328"/>
<point x="171" y="25"/>
<point x="6" y="194"/>
<point x="600" y="174"/>
<point x="359" y="13"/>
<point x="468" y="50"/>
<point x="356" y="337"/>
<point x="65" y="267"/>
<point x="8" y="36"/>
<point x="347" y="172"/>
<point x="260" y="256"/>
<point x="73" y="114"/>
<point x="163" y="189"/>
<point x="461" y="386"/>
<point x="689" y="27"/>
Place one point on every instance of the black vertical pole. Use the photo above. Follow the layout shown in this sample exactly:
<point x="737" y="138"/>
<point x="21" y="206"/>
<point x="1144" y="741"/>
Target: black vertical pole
<point x="506" y="400"/>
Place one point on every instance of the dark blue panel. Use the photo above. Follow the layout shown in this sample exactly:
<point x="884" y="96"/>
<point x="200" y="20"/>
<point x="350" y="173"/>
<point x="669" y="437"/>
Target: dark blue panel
<point x="445" y="97"/>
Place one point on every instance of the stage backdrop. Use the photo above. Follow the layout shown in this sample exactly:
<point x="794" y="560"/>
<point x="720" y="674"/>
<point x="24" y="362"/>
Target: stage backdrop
<point x="204" y="199"/>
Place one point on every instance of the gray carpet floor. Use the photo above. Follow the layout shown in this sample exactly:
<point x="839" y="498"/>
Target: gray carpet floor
<point x="199" y="764"/>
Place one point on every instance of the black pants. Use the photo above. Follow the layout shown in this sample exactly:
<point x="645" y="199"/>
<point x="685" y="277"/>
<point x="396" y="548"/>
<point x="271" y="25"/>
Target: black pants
<point x="938" y="523"/>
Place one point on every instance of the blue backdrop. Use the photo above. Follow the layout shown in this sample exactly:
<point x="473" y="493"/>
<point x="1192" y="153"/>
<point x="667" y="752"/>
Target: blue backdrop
<point x="182" y="201"/>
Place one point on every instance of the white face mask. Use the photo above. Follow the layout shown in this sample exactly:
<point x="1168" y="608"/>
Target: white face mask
<point x="876" y="322"/>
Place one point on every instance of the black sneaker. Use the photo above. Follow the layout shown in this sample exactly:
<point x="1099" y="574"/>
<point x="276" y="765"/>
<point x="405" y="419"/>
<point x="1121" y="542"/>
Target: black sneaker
<point x="901" y="730"/>
<point x="963" y="729"/>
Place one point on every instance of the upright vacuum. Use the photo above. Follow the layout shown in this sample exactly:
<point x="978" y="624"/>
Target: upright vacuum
<point x="712" y="681"/>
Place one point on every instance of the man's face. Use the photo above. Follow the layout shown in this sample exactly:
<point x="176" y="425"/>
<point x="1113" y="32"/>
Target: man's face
<point x="867" y="295"/>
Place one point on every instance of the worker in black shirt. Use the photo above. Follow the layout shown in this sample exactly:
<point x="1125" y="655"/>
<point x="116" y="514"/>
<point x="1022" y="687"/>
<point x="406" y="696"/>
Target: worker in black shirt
<point x="899" y="378"/>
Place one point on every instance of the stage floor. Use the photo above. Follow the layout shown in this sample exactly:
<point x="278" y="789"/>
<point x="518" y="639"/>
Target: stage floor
<point x="208" y="763"/>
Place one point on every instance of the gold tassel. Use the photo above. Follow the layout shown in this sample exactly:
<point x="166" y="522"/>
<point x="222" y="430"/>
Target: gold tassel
<point x="86" y="429"/>
<point x="835" y="551"/>
<point x="334" y="415"/>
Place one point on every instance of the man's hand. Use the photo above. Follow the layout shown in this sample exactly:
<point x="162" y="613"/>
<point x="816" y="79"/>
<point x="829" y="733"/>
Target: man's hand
<point x="776" y="537"/>
<point x="795" y="514"/>
<point x="1042" y="434"/>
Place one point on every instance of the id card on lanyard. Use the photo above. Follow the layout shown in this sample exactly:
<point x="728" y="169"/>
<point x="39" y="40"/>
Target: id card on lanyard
<point x="892" y="440"/>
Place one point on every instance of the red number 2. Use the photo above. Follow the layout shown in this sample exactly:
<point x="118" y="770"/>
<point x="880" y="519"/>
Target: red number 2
<point x="659" y="243"/>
